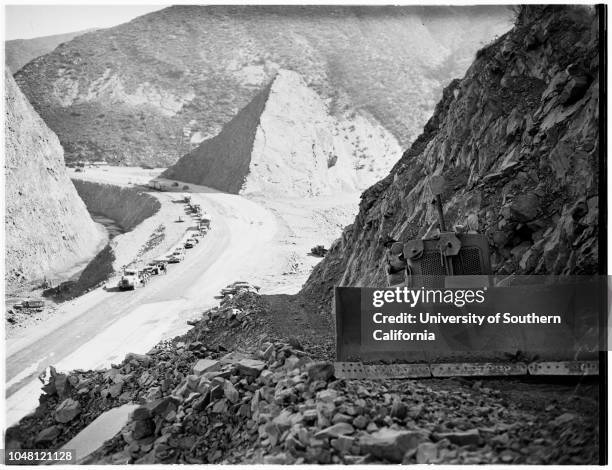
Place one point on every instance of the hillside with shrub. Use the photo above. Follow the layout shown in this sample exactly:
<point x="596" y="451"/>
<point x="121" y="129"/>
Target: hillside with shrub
<point x="151" y="90"/>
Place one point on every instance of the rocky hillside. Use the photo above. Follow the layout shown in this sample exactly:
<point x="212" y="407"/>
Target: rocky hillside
<point x="286" y="142"/>
<point x="19" y="52"/>
<point x="47" y="226"/>
<point x="152" y="89"/>
<point x="517" y="140"/>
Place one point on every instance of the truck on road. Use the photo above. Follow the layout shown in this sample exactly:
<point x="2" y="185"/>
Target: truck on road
<point x="129" y="280"/>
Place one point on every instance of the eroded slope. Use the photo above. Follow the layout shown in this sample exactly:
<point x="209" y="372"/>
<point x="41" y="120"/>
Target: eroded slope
<point x="286" y="143"/>
<point x="48" y="228"/>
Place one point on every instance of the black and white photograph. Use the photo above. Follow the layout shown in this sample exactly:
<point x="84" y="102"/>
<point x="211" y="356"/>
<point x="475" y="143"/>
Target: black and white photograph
<point x="323" y="234"/>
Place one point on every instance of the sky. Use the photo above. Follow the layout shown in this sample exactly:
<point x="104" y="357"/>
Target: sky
<point x="31" y="21"/>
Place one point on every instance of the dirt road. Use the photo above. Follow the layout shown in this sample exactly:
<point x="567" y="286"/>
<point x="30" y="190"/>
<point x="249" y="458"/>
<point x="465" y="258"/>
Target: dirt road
<point x="100" y="327"/>
<point x="264" y="242"/>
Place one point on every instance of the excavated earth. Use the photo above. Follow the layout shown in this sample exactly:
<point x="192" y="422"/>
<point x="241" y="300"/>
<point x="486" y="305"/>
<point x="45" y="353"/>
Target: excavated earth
<point x="241" y="387"/>
<point x="48" y="229"/>
<point x="285" y="141"/>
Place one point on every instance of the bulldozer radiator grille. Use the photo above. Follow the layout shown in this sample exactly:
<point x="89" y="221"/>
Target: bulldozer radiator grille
<point x="431" y="265"/>
<point x="473" y="259"/>
<point x="468" y="261"/>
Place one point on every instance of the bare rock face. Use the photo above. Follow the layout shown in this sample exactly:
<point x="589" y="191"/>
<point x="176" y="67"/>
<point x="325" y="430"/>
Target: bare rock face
<point x="48" y="228"/>
<point x="285" y="142"/>
<point x="517" y="139"/>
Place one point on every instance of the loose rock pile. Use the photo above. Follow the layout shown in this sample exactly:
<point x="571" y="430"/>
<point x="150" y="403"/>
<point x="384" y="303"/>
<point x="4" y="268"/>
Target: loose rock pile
<point x="276" y="405"/>
<point x="272" y="402"/>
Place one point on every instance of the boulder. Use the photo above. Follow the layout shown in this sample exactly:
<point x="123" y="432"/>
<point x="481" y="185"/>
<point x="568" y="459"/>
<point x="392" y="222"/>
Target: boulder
<point x="115" y="390"/>
<point x="164" y="406"/>
<point x="427" y="452"/>
<point x="338" y="429"/>
<point x="392" y="444"/>
<point x="278" y="459"/>
<point x="141" y="413"/>
<point x="251" y="367"/>
<point x="360" y="422"/>
<point x="230" y="392"/>
<point x="67" y="410"/>
<point x="48" y="435"/>
<point x="462" y="438"/>
<point x="205" y="365"/>
<point x="341" y="418"/>
<point x="398" y="410"/>
<point x="343" y="444"/>
<point x="141" y="358"/>
<point x="523" y="208"/>
<point x="143" y="428"/>
<point x="62" y="386"/>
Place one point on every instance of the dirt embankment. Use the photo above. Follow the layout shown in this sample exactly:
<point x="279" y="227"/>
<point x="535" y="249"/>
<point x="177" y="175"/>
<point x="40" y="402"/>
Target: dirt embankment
<point x="127" y="206"/>
<point x="223" y="161"/>
<point x="48" y="230"/>
<point x="286" y="141"/>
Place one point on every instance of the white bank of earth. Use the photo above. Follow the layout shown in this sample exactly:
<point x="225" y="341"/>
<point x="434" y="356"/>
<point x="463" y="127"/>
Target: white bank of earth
<point x="287" y="143"/>
<point x="255" y="240"/>
<point x="47" y="227"/>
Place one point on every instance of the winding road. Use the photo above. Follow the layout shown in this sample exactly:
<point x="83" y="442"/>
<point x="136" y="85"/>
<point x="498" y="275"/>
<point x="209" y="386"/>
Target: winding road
<point x="100" y="327"/>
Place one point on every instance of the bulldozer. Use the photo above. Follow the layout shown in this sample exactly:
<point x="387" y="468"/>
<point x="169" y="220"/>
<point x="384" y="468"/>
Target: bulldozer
<point x="457" y="260"/>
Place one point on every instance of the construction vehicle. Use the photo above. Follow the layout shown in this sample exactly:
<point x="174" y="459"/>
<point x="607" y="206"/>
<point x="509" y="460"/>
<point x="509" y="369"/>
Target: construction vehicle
<point x="455" y="260"/>
<point x="129" y="279"/>
<point x="36" y="305"/>
<point x="238" y="286"/>
<point x="431" y="260"/>
<point x="319" y="251"/>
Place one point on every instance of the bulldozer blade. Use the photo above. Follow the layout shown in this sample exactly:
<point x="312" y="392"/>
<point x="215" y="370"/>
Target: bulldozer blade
<point x="357" y="370"/>
<point x="467" y="369"/>
<point x="564" y="368"/>
<point x="397" y="371"/>
<point x="349" y="370"/>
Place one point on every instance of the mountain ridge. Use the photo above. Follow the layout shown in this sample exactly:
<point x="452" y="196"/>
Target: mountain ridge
<point x="19" y="52"/>
<point x="151" y="90"/>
